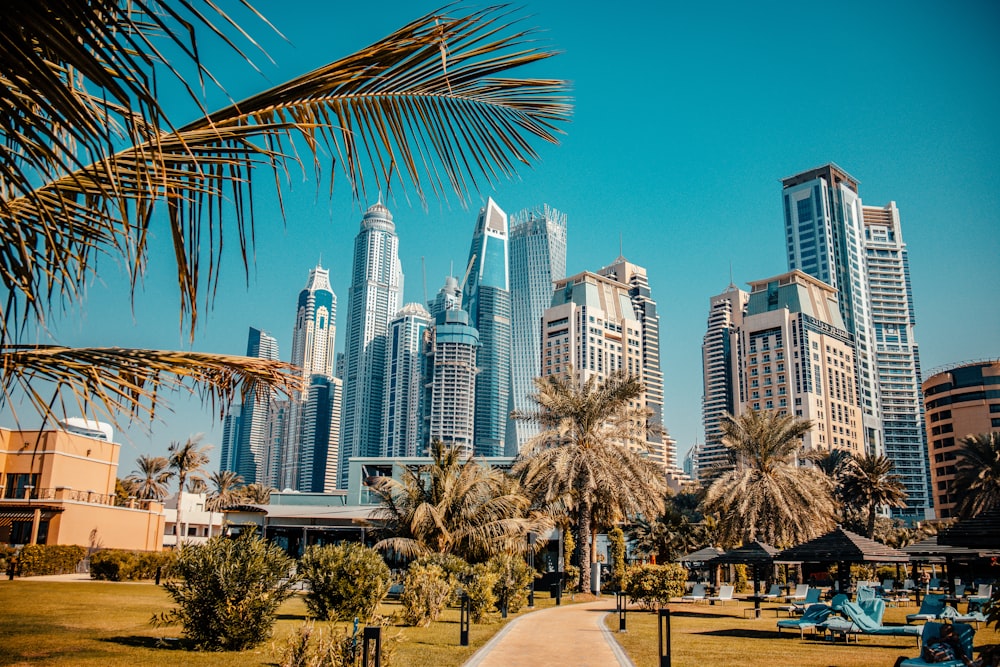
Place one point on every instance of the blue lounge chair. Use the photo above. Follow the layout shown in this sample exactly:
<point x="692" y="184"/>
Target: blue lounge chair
<point x="813" y="616"/>
<point x="775" y="592"/>
<point x="812" y="597"/>
<point x="951" y="615"/>
<point x="933" y="631"/>
<point x="860" y="623"/>
<point x="930" y="608"/>
<point x="837" y="603"/>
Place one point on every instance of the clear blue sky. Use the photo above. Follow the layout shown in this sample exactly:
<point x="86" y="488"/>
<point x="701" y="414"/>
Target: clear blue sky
<point x="686" y="118"/>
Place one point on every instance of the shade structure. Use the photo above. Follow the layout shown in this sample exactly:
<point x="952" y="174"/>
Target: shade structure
<point x="755" y="554"/>
<point x="931" y="550"/>
<point x="843" y="548"/>
<point x="700" y="556"/>
<point x="980" y="532"/>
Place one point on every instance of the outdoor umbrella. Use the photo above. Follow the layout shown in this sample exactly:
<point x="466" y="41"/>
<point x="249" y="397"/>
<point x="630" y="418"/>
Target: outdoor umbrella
<point x="754" y="554"/>
<point x="843" y="548"/>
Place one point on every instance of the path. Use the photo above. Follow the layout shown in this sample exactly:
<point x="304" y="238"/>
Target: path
<point x="566" y="635"/>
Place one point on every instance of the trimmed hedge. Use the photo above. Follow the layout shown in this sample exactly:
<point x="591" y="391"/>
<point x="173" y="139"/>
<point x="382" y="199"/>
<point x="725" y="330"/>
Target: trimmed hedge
<point x="115" y="565"/>
<point x="41" y="559"/>
<point x="652" y="586"/>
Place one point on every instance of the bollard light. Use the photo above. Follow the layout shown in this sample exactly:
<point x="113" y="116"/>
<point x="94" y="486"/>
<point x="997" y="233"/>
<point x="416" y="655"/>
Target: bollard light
<point x="464" y="621"/>
<point x="622" y="604"/>
<point x="664" y="633"/>
<point x="373" y="633"/>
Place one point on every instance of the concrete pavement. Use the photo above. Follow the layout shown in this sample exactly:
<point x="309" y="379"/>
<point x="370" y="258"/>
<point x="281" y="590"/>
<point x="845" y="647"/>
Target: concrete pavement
<point x="565" y="635"/>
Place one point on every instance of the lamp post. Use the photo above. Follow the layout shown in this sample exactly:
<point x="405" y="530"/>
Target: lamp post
<point x="664" y="635"/>
<point x="621" y="603"/>
<point x="531" y="566"/>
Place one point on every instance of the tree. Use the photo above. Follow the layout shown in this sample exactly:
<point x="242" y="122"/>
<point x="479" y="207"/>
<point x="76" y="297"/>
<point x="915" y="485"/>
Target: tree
<point x="95" y="166"/>
<point x="151" y="478"/>
<point x="977" y="474"/>
<point x="256" y="494"/>
<point x="186" y="461"/>
<point x="225" y="489"/>
<point x="593" y="437"/>
<point x="867" y="483"/>
<point x="455" y="507"/>
<point x="766" y="496"/>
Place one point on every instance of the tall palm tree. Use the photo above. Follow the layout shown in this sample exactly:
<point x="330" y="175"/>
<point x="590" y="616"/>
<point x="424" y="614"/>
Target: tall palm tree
<point x="593" y="434"/>
<point x="186" y="460"/>
<point x="90" y="154"/>
<point x="257" y="494"/>
<point x="766" y="496"/>
<point x="151" y="478"/>
<point x="977" y="474"/>
<point x="867" y="483"/>
<point x="224" y="492"/>
<point x="455" y="506"/>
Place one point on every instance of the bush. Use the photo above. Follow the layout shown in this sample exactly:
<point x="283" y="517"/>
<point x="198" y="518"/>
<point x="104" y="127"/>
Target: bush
<point x="455" y="570"/>
<point x="345" y="581"/>
<point x="39" y="559"/>
<point x="479" y="587"/>
<point x="571" y="581"/>
<point x="513" y="577"/>
<point x="333" y="647"/>
<point x="425" y="592"/>
<point x="652" y="586"/>
<point x="115" y="565"/>
<point x="617" y="548"/>
<point x="228" y="591"/>
<point x="741" y="584"/>
<point x="7" y="553"/>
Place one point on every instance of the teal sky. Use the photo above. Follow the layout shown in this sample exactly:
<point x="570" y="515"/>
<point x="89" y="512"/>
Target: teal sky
<point x="686" y="118"/>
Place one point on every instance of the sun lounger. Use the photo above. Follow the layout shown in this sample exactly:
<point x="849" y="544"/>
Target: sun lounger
<point x="858" y="622"/>
<point x="930" y="608"/>
<point x="813" y="616"/>
<point x="931" y="632"/>
<point x="799" y="594"/>
<point x="697" y="594"/>
<point x="725" y="595"/>
<point x="812" y="597"/>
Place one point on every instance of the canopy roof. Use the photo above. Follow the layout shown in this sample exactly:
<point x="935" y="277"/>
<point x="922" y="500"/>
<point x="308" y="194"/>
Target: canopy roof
<point x="755" y="552"/>
<point x="929" y="549"/>
<point x="980" y="532"/>
<point x="701" y="555"/>
<point x="841" y="546"/>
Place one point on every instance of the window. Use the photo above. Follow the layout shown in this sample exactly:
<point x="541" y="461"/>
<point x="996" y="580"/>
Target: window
<point x="18" y="483"/>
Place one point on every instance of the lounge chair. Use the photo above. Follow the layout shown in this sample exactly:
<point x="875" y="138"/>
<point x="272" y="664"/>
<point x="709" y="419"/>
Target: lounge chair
<point x="931" y="632"/>
<point x="813" y="616"/>
<point x="858" y="622"/>
<point x="697" y="594"/>
<point x="888" y="585"/>
<point x="930" y="608"/>
<point x="837" y="603"/>
<point x="799" y="594"/>
<point x="812" y="597"/>
<point x="934" y="584"/>
<point x="725" y="595"/>
<point x="865" y="592"/>
<point x="983" y="595"/>
<point x="951" y="615"/>
<point x="775" y="592"/>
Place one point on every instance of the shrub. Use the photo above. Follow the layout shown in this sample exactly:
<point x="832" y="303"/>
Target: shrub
<point x="39" y="559"/>
<point x="228" y="591"/>
<point x="741" y="584"/>
<point x="7" y="553"/>
<point x="652" y="586"/>
<point x="345" y="581"/>
<point x="455" y="570"/>
<point x="425" y="593"/>
<point x="333" y="647"/>
<point x="513" y="577"/>
<point x="115" y="565"/>
<point x="480" y="587"/>
<point x="571" y="582"/>
<point x="617" y="548"/>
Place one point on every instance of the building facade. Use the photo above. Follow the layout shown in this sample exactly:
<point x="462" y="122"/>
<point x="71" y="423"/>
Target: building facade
<point x="450" y="350"/>
<point x="375" y="296"/>
<point x="256" y="446"/>
<point x="960" y="400"/>
<point x="319" y="435"/>
<point x="537" y="259"/>
<point x="486" y="298"/>
<point x="403" y="411"/>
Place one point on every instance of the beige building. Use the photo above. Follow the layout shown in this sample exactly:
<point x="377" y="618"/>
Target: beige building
<point x="58" y="487"/>
<point x="959" y="401"/>
<point x="792" y="354"/>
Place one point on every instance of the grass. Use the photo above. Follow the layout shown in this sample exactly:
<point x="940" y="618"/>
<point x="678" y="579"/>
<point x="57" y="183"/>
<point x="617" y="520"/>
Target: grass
<point x="107" y="624"/>
<point x="720" y="635"/>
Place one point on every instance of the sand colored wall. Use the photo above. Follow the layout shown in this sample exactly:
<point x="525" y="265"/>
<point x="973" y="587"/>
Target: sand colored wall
<point x="112" y="527"/>
<point x="62" y="459"/>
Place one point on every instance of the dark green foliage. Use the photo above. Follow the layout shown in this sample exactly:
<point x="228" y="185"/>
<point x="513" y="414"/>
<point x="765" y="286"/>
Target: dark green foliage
<point x="115" y="565"/>
<point x="40" y="559"/>
<point x="617" y="553"/>
<point x="513" y="577"/>
<point x="425" y="592"/>
<point x="345" y="581"/>
<point x="227" y="591"/>
<point x="480" y="587"/>
<point x="652" y="586"/>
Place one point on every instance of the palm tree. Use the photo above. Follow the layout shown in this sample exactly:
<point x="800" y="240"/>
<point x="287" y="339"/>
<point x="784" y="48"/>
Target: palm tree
<point x="867" y="483"/>
<point x="455" y="507"/>
<point x="224" y="492"/>
<point x="150" y="480"/>
<point x="593" y="436"/>
<point x="977" y="474"/>
<point x="90" y="154"/>
<point x="766" y="496"/>
<point x="255" y="493"/>
<point x="186" y="461"/>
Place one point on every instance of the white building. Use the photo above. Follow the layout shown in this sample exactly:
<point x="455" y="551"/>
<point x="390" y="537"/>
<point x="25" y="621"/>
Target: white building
<point x="200" y="524"/>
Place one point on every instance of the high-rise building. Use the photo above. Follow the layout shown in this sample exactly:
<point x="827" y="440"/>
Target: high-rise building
<point x="255" y="439"/>
<point x="230" y="439"/>
<point x="320" y="435"/>
<point x="449" y="297"/>
<point x="537" y="259"/>
<point x="725" y="316"/>
<point x="403" y="411"/>
<point x="961" y="400"/>
<point x="375" y="296"/>
<point x="662" y="447"/>
<point x="794" y="355"/>
<point x="450" y="348"/>
<point x="313" y="339"/>
<point x="897" y="358"/>
<point x="486" y="298"/>
<point x="859" y="250"/>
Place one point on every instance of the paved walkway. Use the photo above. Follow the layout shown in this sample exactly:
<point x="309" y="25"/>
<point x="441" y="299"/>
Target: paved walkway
<point x="566" y="635"/>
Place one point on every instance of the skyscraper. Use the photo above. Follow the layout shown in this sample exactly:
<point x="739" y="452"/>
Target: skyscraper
<point x="313" y="341"/>
<point x="450" y="357"/>
<point x="859" y="250"/>
<point x="230" y="439"/>
<point x="319" y="435"/>
<point x="375" y="296"/>
<point x="725" y="315"/>
<point x="449" y="297"/>
<point x="487" y="300"/>
<point x="403" y="411"/>
<point x="537" y="259"/>
<point x="255" y="441"/>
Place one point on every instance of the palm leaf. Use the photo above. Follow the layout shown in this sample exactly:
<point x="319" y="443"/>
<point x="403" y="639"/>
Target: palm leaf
<point x="107" y="382"/>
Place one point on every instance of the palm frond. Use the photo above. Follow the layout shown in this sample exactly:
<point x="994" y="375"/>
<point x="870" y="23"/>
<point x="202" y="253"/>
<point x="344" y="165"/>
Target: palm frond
<point x="108" y="382"/>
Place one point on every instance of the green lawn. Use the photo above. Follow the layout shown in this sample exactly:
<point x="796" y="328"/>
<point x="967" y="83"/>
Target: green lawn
<point x="720" y="635"/>
<point x="107" y="624"/>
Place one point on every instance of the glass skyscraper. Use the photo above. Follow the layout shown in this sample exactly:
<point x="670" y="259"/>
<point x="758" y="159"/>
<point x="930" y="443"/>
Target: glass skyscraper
<point x="450" y="362"/>
<point x="375" y="296"/>
<point x="486" y="298"/>
<point x="255" y="440"/>
<point x="537" y="259"/>
<point x="403" y="410"/>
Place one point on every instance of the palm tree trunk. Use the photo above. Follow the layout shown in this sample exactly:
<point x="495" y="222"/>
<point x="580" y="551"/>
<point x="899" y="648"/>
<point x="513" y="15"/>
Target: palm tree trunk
<point x="180" y="512"/>
<point x="583" y="531"/>
<point x="871" y="520"/>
